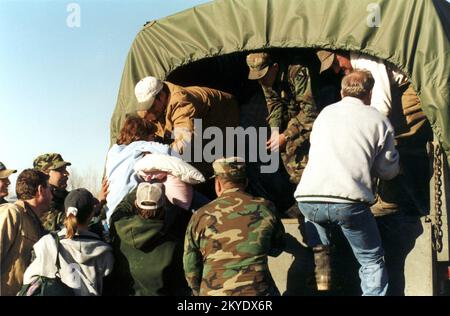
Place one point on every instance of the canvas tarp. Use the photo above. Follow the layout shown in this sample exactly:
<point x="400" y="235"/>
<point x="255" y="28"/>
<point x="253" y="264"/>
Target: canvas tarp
<point x="412" y="34"/>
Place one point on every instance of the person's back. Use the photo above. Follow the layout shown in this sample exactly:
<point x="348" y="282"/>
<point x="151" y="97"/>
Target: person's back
<point x="148" y="256"/>
<point x="344" y="172"/>
<point x="84" y="258"/>
<point x="228" y="242"/>
<point x="350" y="143"/>
<point x="134" y="140"/>
<point x="209" y="104"/>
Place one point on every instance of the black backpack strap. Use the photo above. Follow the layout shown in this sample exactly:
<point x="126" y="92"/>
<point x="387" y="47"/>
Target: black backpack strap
<point x="57" y="239"/>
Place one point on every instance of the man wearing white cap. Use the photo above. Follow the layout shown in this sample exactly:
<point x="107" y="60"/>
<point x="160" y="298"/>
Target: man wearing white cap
<point x="173" y="109"/>
<point x="4" y="182"/>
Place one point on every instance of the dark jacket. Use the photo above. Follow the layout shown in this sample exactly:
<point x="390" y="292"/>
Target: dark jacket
<point x="148" y="259"/>
<point x="53" y="219"/>
<point x="176" y="219"/>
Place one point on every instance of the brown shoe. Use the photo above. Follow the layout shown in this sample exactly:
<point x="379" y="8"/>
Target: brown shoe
<point x="322" y="260"/>
<point x="381" y="208"/>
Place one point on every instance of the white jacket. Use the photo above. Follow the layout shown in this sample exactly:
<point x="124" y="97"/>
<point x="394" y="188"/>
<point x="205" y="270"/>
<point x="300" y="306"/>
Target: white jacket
<point x="350" y="143"/>
<point x="383" y="75"/>
<point x="84" y="262"/>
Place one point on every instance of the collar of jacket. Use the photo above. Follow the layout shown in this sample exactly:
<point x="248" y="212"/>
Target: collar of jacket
<point x="28" y="211"/>
<point x="232" y="191"/>
<point x="352" y="100"/>
<point x="58" y="194"/>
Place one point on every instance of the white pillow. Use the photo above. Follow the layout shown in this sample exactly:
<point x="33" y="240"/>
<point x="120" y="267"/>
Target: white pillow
<point x="173" y="165"/>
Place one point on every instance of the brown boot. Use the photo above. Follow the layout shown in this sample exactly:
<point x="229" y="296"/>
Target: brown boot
<point x="322" y="260"/>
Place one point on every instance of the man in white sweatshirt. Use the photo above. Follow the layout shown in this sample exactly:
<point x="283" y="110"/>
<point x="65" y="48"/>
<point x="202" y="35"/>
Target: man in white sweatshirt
<point x="351" y="143"/>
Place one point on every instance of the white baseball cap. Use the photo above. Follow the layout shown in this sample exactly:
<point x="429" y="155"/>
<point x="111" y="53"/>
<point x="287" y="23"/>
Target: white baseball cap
<point x="145" y="91"/>
<point x="150" y="196"/>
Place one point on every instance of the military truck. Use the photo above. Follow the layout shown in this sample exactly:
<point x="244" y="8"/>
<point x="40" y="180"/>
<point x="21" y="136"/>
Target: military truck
<point x="207" y="45"/>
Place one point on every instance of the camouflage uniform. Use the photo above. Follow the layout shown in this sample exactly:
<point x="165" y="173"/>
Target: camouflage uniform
<point x="291" y="108"/>
<point x="227" y="242"/>
<point x="53" y="219"/>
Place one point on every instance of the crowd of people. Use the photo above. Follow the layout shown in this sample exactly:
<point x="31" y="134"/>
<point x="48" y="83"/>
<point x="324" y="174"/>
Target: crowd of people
<point x="153" y="230"/>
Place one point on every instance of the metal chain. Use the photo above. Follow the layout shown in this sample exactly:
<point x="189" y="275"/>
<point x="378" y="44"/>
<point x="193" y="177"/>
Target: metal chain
<point x="437" y="229"/>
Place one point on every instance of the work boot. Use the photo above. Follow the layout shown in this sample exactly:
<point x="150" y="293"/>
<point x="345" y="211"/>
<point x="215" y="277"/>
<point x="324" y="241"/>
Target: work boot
<point x="387" y="197"/>
<point x="322" y="261"/>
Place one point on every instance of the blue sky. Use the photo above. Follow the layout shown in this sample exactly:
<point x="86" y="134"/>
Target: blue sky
<point x="58" y="85"/>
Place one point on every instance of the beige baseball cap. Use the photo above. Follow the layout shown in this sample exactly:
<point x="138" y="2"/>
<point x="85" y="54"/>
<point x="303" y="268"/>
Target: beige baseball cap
<point x="4" y="172"/>
<point x="150" y="196"/>
<point x="326" y="59"/>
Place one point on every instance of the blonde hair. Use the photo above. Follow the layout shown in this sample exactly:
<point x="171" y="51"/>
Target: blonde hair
<point x="71" y="224"/>
<point x="357" y="84"/>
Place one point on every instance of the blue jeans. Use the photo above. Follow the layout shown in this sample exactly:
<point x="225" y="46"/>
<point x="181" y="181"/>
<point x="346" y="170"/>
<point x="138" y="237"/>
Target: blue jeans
<point x="360" y="229"/>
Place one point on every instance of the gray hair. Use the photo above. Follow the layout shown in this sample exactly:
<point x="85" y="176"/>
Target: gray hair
<point x="357" y="84"/>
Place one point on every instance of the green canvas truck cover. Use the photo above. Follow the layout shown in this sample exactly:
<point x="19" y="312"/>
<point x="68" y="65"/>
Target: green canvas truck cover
<point x="411" y="34"/>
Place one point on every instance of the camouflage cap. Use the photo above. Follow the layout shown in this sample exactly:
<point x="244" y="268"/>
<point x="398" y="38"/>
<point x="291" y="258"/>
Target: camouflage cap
<point x="326" y="59"/>
<point x="259" y="64"/>
<point x="4" y="172"/>
<point x="232" y="168"/>
<point x="50" y="161"/>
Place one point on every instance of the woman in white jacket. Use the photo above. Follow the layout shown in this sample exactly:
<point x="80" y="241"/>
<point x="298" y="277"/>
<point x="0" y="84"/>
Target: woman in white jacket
<point x="84" y="258"/>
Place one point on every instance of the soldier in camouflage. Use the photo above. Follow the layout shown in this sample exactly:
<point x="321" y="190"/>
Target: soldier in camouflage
<point x="288" y="90"/>
<point x="55" y="166"/>
<point x="291" y="107"/>
<point x="228" y="240"/>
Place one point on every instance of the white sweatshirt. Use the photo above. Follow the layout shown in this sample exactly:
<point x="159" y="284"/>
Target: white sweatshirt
<point x="84" y="262"/>
<point x="350" y="143"/>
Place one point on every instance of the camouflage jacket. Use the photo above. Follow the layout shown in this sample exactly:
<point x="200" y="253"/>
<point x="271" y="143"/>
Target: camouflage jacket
<point x="295" y="156"/>
<point x="227" y="243"/>
<point x="290" y="95"/>
<point x="53" y="219"/>
<point x="291" y="107"/>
